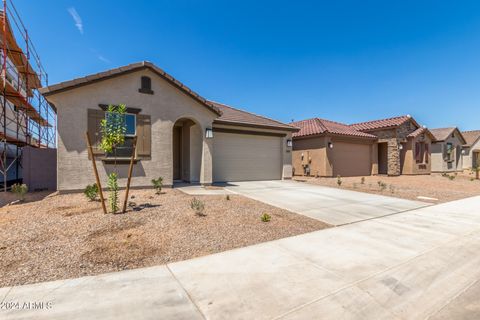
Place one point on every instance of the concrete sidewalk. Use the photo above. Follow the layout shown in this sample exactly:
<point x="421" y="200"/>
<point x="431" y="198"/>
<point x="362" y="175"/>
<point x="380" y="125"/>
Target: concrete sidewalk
<point x="331" y="205"/>
<point x="416" y="265"/>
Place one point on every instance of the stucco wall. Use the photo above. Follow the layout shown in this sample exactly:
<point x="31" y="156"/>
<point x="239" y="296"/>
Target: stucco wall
<point x="165" y="106"/>
<point x="439" y="164"/>
<point x="410" y="165"/>
<point x="39" y="170"/>
<point x="467" y="159"/>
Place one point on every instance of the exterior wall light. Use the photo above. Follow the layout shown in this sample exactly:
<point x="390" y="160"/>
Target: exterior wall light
<point x="289" y="143"/>
<point x="209" y="133"/>
<point x="400" y="147"/>
<point x="330" y="145"/>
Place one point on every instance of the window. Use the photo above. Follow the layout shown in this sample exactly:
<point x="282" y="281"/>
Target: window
<point x="125" y="150"/>
<point x="145" y="85"/>
<point x="448" y="156"/>
<point x="421" y="152"/>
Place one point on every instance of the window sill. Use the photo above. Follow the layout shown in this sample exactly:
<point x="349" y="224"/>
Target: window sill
<point x="118" y="161"/>
<point x="147" y="91"/>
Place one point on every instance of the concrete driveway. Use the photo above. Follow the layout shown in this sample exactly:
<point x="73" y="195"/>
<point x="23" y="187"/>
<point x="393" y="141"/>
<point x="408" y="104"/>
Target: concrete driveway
<point x="331" y="205"/>
<point x="422" y="264"/>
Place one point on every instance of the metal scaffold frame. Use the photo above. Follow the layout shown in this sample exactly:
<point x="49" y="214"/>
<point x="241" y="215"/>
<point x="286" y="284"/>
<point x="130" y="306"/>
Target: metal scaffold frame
<point x="26" y="118"/>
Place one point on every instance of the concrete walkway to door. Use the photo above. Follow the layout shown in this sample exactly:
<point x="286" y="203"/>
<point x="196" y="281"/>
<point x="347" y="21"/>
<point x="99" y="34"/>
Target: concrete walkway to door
<point x="421" y="264"/>
<point x="330" y="205"/>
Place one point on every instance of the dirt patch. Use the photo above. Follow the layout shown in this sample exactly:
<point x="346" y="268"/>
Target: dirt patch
<point x="440" y="188"/>
<point x="66" y="236"/>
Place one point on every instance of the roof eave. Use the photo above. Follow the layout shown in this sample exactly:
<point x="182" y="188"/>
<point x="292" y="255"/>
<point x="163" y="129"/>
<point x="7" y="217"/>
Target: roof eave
<point x="253" y="125"/>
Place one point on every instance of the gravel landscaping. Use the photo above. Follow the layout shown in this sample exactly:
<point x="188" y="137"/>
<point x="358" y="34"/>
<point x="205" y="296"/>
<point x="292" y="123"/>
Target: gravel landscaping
<point x="53" y="237"/>
<point x="435" y="186"/>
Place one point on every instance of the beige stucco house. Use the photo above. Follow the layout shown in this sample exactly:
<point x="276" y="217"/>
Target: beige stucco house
<point x="447" y="150"/>
<point x="471" y="149"/>
<point x="181" y="136"/>
<point x="391" y="146"/>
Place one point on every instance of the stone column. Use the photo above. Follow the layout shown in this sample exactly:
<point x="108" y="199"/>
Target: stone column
<point x="393" y="157"/>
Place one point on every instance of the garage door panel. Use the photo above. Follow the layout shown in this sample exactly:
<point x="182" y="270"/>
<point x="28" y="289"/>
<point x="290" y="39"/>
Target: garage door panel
<point x="242" y="157"/>
<point x="351" y="159"/>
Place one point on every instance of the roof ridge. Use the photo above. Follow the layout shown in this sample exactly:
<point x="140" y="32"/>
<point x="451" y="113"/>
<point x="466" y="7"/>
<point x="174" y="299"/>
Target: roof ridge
<point x="257" y="115"/>
<point x="385" y="119"/>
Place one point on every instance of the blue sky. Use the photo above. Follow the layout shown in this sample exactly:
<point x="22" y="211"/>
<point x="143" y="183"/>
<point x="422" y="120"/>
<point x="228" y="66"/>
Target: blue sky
<point x="347" y="61"/>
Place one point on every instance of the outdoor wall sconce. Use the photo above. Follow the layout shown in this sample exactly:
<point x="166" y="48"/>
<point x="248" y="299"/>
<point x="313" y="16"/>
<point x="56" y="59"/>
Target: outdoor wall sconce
<point x="289" y="143"/>
<point x="400" y="147"/>
<point x="330" y="145"/>
<point x="209" y="133"/>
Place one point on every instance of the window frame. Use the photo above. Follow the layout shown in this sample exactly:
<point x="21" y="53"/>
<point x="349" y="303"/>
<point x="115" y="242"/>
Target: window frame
<point x="129" y="136"/>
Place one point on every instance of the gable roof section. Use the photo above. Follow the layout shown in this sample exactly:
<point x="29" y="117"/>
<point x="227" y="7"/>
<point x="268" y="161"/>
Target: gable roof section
<point x="420" y="131"/>
<point x="75" y="83"/>
<point x="442" y="134"/>
<point x="471" y="137"/>
<point x="317" y="126"/>
<point x="382" y="123"/>
<point x="235" y="116"/>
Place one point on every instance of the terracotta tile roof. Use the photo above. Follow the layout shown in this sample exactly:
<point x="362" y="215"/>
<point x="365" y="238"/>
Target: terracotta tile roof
<point x="321" y="126"/>
<point x="236" y="116"/>
<point x="381" y="124"/>
<point x="471" y="137"/>
<point x="71" y="84"/>
<point x="442" y="134"/>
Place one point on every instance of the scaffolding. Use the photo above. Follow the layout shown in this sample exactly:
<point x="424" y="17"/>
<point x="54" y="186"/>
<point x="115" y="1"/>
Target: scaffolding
<point x="26" y="118"/>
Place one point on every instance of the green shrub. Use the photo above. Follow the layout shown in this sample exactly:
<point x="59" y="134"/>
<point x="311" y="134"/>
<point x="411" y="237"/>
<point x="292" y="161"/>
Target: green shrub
<point x="198" y="206"/>
<point x="339" y="180"/>
<point x="157" y="184"/>
<point x="362" y="180"/>
<point x="20" y="190"/>
<point x="228" y="197"/>
<point x="451" y="177"/>
<point x="113" y="188"/>
<point x="266" y="217"/>
<point x="382" y="185"/>
<point x="91" y="192"/>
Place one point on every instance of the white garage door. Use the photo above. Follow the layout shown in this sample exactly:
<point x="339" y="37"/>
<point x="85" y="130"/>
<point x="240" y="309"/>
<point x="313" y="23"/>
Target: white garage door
<point x="242" y="157"/>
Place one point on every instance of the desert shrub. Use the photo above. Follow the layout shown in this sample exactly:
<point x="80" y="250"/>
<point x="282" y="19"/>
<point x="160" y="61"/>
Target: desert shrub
<point x="91" y="192"/>
<point x="198" y="206"/>
<point x="382" y="185"/>
<point x="339" y="180"/>
<point x="362" y="180"/>
<point x="266" y="217"/>
<point x="20" y="190"/>
<point x="227" y="197"/>
<point x="113" y="188"/>
<point x="157" y="184"/>
<point x="392" y="189"/>
<point x="451" y="177"/>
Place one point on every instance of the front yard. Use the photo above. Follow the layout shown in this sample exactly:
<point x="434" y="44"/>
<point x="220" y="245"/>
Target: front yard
<point x="435" y="186"/>
<point x="65" y="236"/>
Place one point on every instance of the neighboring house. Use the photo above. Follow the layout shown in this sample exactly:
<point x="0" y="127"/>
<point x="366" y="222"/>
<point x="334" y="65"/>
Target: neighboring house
<point x="447" y="150"/>
<point x="471" y="149"/>
<point x="403" y="146"/>
<point x="329" y="149"/>
<point x="391" y="146"/>
<point x="181" y="136"/>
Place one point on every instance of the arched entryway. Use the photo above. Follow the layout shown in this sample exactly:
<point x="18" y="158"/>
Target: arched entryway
<point x="186" y="150"/>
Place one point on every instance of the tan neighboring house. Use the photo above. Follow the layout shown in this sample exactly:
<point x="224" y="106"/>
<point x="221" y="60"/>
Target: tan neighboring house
<point x="181" y="136"/>
<point x="403" y="146"/>
<point x="471" y="149"/>
<point x="447" y="150"/>
<point x="391" y="146"/>
<point x="328" y="149"/>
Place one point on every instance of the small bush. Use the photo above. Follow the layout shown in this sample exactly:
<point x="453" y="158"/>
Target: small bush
<point x="266" y="217"/>
<point x="198" y="206"/>
<point x="362" y="180"/>
<point x="91" y="192"/>
<point x="339" y="180"/>
<point x="157" y="184"/>
<point x="382" y="185"/>
<point x="20" y="190"/>
<point x="227" y="197"/>
<point x="472" y="179"/>
<point x="452" y="177"/>
<point x="392" y="189"/>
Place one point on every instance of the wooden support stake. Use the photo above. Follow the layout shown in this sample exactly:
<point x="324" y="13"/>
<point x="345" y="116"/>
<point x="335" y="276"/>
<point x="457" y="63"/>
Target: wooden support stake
<point x="130" y="169"/>
<point x="99" y="185"/>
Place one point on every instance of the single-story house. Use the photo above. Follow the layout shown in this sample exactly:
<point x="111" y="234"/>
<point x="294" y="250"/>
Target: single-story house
<point x="447" y="150"/>
<point x="391" y="146"/>
<point x="325" y="148"/>
<point x="180" y="135"/>
<point x="471" y="149"/>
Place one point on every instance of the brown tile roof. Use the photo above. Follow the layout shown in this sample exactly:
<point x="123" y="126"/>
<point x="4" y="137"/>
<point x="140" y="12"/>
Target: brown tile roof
<point x="235" y="116"/>
<point x="68" y="85"/>
<point x="420" y="131"/>
<point x="317" y="126"/>
<point x="471" y="137"/>
<point x="442" y="134"/>
<point x="381" y="124"/>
